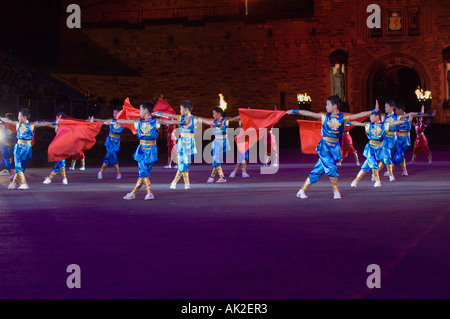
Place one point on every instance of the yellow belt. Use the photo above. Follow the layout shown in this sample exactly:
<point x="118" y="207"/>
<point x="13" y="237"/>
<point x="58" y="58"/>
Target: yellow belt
<point x="221" y="136"/>
<point x="8" y="144"/>
<point x="145" y="142"/>
<point x="391" y="133"/>
<point x="27" y="142"/>
<point x="403" y="134"/>
<point x="187" y="134"/>
<point x="114" y="135"/>
<point x="375" y="143"/>
<point x="331" y="139"/>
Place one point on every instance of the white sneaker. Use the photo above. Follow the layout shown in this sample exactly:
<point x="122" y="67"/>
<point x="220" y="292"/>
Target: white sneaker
<point x="5" y="171"/>
<point x="210" y="180"/>
<point x="392" y="178"/>
<point x="187" y="186"/>
<point x="221" y="180"/>
<point x="405" y="173"/>
<point x="301" y="194"/>
<point x="377" y="184"/>
<point x="338" y="164"/>
<point x="167" y="166"/>
<point x="11" y="186"/>
<point x="411" y="163"/>
<point x="354" y="184"/>
<point x="176" y="166"/>
<point x="372" y="179"/>
<point x="129" y="196"/>
<point x="47" y="181"/>
<point x="232" y="175"/>
<point x="100" y="175"/>
<point x="358" y="164"/>
<point x="337" y="195"/>
<point x="24" y="186"/>
<point x="119" y="176"/>
<point x="71" y="168"/>
<point x="65" y="181"/>
<point x="82" y="168"/>
<point x="245" y="175"/>
<point x="149" y="196"/>
<point x="430" y="162"/>
<point x="386" y="173"/>
<point x="173" y="186"/>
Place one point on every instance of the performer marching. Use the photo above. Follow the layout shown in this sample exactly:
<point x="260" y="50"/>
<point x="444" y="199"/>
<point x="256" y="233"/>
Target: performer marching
<point x="171" y="145"/>
<point x="333" y="123"/>
<point x="7" y="148"/>
<point x="421" y="142"/>
<point x="241" y="162"/>
<point x="60" y="166"/>
<point x="23" y="147"/>
<point x="373" y="151"/>
<point x="347" y="146"/>
<point x="186" y="147"/>
<point x="220" y="145"/>
<point x="112" y="144"/>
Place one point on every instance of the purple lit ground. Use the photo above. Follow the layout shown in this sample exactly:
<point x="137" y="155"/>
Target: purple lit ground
<point x="249" y="238"/>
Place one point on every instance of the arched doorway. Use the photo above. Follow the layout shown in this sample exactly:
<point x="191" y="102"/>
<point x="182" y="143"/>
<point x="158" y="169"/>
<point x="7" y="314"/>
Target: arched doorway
<point x="396" y="77"/>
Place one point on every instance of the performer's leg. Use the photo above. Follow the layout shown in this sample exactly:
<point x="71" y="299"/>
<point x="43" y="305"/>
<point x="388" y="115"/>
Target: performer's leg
<point x="49" y="178"/>
<point x="72" y="165"/>
<point x="83" y="164"/>
<point x="135" y="190"/>
<point x="221" y="174"/>
<point x="334" y="185"/>
<point x="118" y="175"/>
<point x="64" y="175"/>
<point x="358" y="178"/>
<point x="376" y="178"/>
<point x="23" y="181"/>
<point x="187" y="184"/>
<point x="405" y="171"/>
<point x="390" y="169"/>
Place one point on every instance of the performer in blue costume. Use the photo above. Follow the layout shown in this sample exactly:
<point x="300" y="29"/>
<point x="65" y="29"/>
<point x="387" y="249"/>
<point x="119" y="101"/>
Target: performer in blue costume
<point x="23" y="147"/>
<point x="241" y="162"/>
<point x="60" y="166"/>
<point x="146" y="153"/>
<point x="112" y="144"/>
<point x="186" y="147"/>
<point x="328" y="148"/>
<point x="374" y="150"/>
<point x="7" y="148"/>
<point x="220" y="145"/>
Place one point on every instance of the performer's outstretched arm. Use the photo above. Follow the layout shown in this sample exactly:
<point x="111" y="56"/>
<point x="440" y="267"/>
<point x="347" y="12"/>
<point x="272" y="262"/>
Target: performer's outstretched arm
<point x="304" y="113"/>
<point x="365" y="113"/>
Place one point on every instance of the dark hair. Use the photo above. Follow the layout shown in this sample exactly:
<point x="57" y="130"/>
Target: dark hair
<point x="61" y="115"/>
<point x="401" y="106"/>
<point x="334" y="99"/>
<point x="25" y="112"/>
<point x="148" y="105"/>
<point x="378" y="113"/>
<point x="391" y="103"/>
<point x="10" y="116"/>
<point x="187" y="104"/>
<point x="219" y="110"/>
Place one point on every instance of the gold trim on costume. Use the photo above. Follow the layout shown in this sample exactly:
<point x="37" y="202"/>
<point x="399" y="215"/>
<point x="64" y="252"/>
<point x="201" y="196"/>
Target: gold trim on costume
<point x="145" y="142"/>
<point x="114" y="135"/>
<point x="187" y="134"/>
<point x="26" y="142"/>
<point x="138" y="186"/>
<point x="221" y="136"/>
<point x="306" y="185"/>
<point x="334" y="184"/>
<point x="403" y="134"/>
<point x="375" y="143"/>
<point x="360" y="175"/>
<point x="376" y="176"/>
<point x="330" y="139"/>
<point x="391" y="133"/>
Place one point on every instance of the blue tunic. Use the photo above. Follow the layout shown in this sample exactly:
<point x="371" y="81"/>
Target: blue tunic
<point x="374" y="150"/>
<point x="146" y="153"/>
<point x="186" y="147"/>
<point x="112" y="143"/>
<point x="7" y="148"/>
<point x="61" y="163"/>
<point x="220" y="144"/>
<point x="328" y="148"/>
<point x="403" y="141"/>
<point x="23" y="148"/>
<point x="390" y="141"/>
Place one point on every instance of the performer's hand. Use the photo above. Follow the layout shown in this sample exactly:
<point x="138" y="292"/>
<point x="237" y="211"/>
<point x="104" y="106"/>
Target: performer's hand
<point x="423" y="109"/>
<point x="433" y="113"/>
<point x="289" y="112"/>
<point x="377" y="106"/>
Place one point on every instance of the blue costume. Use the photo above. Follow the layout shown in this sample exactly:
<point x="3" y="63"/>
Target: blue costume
<point x="329" y="147"/>
<point x="390" y="141"/>
<point x="146" y="153"/>
<point x="374" y="150"/>
<point x="112" y="143"/>
<point x="7" y="149"/>
<point x="220" y="145"/>
<point x="403" y="141"/>
<point x="186" y="147"/>
<point x="23" y="148"/>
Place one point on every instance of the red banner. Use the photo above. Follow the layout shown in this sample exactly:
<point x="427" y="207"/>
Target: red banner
<point x="310" y="135"/>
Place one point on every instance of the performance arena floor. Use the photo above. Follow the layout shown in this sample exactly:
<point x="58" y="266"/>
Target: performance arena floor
<point x="246" y="239"/>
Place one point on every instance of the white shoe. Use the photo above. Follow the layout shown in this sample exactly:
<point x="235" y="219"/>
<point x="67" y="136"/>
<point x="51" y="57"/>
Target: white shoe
<point x="386" y="173"/>
<point x="338" y="164"/>
<point x="129" y="196"/>
<point x="210" y="180"/>
<point x="24" y="186"/>
<point x="275" y="165"/>
<point x="337" y="195"/>
<point x="71" y="168"/>
<point x="301" y="194"/>
<point x="100" y="175"/>
<point x="392" y="178"/>
<point x="245" y="175"/>
<point x="405" y="173"/>
<point x="232" y="175"/>
<point x="173" y="186"/>
<point x="65" y="181"/>
<point x="377" y="184"/>
<point x="358" y="164"/>
<point x="176" y="166"/>
<point x="119" y="176"/>
<point x="47" y="181"/>
<point x="82" y="168"/>
<point x="411" y="163"/>
<point x="5" y="171"/>
<point x="430" y="162"/>
<point x="221" y="180"/>
<point x="11" y="186"/>
<point x="149" y="196"/>
<point x="354" y="184"/>
<point x="187" y="186"/>
<point x="167" y="166"/>
<point x="372" y="179"/>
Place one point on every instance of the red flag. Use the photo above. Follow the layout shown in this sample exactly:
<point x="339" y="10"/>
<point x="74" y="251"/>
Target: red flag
<point x="129" y="112"/>
<point x="164" y="107"/>
<point x="72" y="139"/>
<point x="310" y="135"/>
<point x="254" y="124"/>
<point x="347" y="128"/>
